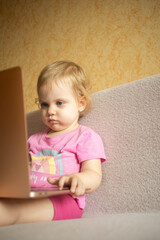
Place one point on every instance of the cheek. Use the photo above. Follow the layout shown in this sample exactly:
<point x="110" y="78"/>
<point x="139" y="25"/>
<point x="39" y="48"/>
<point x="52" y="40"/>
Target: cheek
<point x="72" y="110"/>
<point x="43" y="114"/>
<point x="71" y="114"/>
<point x="66" y="113"/>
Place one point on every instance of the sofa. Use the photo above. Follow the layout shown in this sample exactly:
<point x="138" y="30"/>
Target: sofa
<point x="127" y="204"/>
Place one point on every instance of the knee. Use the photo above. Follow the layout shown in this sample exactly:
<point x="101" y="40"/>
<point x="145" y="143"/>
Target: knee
<point x="8" y="212"/>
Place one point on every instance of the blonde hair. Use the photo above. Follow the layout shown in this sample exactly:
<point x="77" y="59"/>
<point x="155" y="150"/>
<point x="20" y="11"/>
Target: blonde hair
<point x="69" y="73"/>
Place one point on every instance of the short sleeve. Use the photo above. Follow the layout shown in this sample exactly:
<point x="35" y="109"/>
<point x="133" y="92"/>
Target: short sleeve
<point x="90" y="146"/>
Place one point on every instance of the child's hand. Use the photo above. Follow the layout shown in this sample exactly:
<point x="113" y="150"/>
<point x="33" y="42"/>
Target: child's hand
<point x="76" y="185"/>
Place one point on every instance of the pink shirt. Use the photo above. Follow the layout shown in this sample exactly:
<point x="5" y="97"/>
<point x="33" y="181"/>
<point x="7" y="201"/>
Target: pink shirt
<point x="62" y="155"/>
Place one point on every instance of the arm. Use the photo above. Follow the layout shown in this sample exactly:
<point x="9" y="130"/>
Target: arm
<point x="86" y="181"/>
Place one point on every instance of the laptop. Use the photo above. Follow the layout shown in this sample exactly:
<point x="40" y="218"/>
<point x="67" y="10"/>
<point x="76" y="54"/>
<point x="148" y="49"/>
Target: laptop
<point x="14" y="159"/>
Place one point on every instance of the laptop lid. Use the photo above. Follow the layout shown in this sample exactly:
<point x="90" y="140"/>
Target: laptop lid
<point x="14" y="167"/>
<point x="13" y="137"/>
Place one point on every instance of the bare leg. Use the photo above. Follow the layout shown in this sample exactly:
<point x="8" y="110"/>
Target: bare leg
<point x="14" y="211"/>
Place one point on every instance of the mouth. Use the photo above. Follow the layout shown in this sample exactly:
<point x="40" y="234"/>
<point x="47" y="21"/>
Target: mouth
<point x="52" y="121"/>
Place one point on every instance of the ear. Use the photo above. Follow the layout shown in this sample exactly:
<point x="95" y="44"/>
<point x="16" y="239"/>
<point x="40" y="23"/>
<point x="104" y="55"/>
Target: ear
<point x="82" y="104"/>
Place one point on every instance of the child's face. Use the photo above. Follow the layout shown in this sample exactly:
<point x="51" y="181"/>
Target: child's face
<point x="59" y="108"/>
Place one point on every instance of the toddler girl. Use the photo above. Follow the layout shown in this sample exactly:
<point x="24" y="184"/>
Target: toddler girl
<point x="66" y="154"/>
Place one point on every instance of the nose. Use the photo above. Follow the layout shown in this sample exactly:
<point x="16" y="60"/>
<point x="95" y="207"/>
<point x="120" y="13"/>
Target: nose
<point x="51" y="110"/>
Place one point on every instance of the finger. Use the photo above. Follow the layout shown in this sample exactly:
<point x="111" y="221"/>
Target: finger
<point x="80" y="190"/>
<point x="62" y="182"/>
<point x="74" y="185"/>
<point x="53" y="181"/>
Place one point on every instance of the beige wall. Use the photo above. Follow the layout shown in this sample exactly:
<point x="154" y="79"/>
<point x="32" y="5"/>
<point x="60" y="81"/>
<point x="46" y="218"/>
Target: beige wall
<point x="116" y="41"/>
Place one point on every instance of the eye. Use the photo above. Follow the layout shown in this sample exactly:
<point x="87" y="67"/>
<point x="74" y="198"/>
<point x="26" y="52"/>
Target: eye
<point x="44" y="105"/>
<point x="59" y="103"/>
